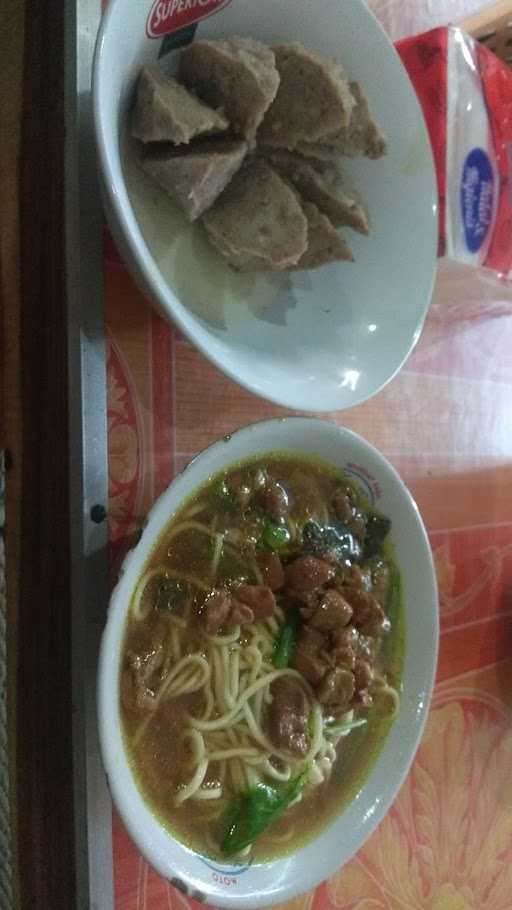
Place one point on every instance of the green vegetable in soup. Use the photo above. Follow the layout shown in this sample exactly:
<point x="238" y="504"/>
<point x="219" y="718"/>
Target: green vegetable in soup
<point x="338" y="729"/>
<point x="285" y="642"/>
<point x="275" y="537"/>
<point x="251" y="813"/>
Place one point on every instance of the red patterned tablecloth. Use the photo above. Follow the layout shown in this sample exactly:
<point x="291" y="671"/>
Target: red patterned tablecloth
<point x="445" y="423"/>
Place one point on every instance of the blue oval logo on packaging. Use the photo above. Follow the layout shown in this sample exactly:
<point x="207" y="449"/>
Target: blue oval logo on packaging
<point x="477" y="198"/>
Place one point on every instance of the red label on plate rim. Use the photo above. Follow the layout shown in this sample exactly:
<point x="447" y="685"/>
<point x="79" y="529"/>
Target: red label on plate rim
<point x="170" y="15"/>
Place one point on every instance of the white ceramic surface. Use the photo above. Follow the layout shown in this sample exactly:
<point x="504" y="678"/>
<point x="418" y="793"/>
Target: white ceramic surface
<point x="262" y="884"/>
<point x="319" y="340"/>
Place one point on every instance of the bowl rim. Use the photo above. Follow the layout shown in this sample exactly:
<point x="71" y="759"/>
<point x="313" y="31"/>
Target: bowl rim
<point x="163" y="296"/>
<point x="119" y="605"/>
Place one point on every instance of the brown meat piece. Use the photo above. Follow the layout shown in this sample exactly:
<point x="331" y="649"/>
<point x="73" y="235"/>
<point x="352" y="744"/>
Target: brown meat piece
<point x="237" y="74"/>
<point x="362" y="135"/>
<point x="288" y="716"/>
<point x="273" y="499"/>
<point x="344" y="645"/>
<point x="307" y="574"/>
<point x="309" y="657"/>
<point x="311" y="601"/>
<point x="272" y="570"/>
<point x="369" y="617"/>
<point x="325" y="244"/>
<point x="313" y="99"/>
<point x="348" y="513"/>
<point x="166" y="111"/>
<point x="323" y="184"/>
<point x="259" y="598"/>
<point x="240" y="614"/>
<point x="258" y="224"/>
<point x="217" y="610"/>
<point x="333" y="613"/>
<point x="221" y="609"/>
<point x="195" y="177"/>
<point x="337" y="688"/>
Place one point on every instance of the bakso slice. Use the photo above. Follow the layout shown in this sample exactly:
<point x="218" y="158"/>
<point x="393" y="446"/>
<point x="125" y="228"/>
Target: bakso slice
<point x="194" y="178"/>
<point x="237" y="74"/>
<point x="166" y="111"/>
<point x="288" y="716"/>
<point x="307" y="574"/>
<point x="362" y="136"/>
<point x="313" y="100"/>
<point x="258" y="223"/>
<point x="325" y="244"/>
<point x="323" y="184"/>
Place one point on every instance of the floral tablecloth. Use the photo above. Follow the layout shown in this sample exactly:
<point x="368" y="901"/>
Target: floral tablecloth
<point x="445" y="423"/>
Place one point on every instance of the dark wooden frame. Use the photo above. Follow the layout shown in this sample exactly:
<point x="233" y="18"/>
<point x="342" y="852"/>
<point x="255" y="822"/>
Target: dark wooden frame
<point x="35" y="431"/>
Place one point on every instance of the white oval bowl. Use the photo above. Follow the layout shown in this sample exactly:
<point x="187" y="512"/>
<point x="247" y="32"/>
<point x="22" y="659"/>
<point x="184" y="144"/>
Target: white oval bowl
<point x="328" y="338"/>
<point x="259" y="885"/>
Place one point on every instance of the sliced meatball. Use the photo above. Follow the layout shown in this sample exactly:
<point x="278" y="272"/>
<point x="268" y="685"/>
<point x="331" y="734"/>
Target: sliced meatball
<point x="369" y="617"/>
<point x="288" y="716"/>
<point x="333" y="612"/>
<point x="310" y="657"/>
<point x="259" y="598"/>
<point x="238" y="75"/>
<point x="272" y="570"/>
<point x="337" y="688"/>
<point x="258" y="224"/>
<point x="307" y="573"/>
<point x="194" y="177"/>
<point x="166" y="111"/>
<point x="362" y="135"/>
<point x="313" y="99"/>
<point x="325" y="243"/>
<point x="323" y="184"/>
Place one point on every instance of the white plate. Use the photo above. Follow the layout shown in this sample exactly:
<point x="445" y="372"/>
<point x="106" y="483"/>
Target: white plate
<point x="319" y="340"/>
<point x="262" y="884"/>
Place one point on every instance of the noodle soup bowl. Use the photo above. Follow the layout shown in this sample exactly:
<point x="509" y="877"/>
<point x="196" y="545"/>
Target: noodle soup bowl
<point x="257" y="884"/>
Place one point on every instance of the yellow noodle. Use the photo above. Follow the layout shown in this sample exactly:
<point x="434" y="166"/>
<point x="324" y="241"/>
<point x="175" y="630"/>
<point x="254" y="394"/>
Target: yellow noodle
<point x="228" y="718"/>
<point x="195" y="783"/>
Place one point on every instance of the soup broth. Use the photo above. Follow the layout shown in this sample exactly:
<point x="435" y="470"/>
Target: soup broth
<point x="262" y="658"/>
